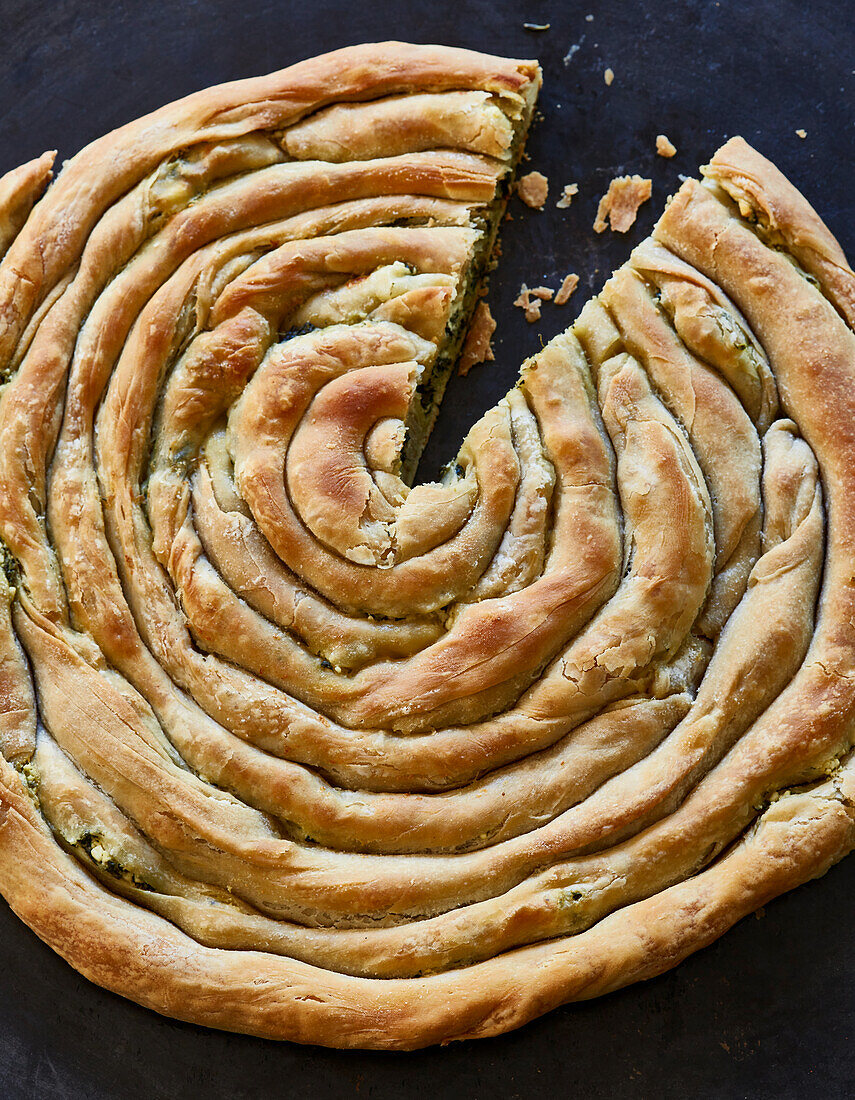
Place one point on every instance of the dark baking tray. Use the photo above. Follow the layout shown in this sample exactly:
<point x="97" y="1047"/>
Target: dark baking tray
<point x="768" y="1011"/>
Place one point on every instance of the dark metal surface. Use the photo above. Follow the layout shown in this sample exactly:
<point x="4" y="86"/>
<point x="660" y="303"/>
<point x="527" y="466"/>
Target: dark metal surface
<point x="768" y="1011"/>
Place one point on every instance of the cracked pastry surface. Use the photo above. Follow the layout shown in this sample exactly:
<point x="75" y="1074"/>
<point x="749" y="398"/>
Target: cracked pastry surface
<point x="291" y="746"/>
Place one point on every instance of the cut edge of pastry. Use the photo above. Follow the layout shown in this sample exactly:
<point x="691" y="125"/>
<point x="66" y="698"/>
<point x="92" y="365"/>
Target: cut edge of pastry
<point x="486" y="221"/>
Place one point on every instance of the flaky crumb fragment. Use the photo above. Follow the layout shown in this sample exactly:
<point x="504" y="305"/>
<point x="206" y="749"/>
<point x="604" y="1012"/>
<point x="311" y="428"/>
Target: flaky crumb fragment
<point x="566" y="289"/>
<point x="478" y="347"/>
<point x="665" y="147"/>
<point x="532" y="308"/>
<point x="801" y="133"/>
<point x="530" y="300"/>
<point x="567" y="193"/>
<point x="608" y="76"/>
<point x="621" y="203"/>
<point x="533" y="189"/>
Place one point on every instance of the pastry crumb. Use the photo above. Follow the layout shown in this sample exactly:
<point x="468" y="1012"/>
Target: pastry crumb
<point x="802" y="133"/>
<point x="478" y="346"/>
<point x="664" y="146"/>
<point x="573" y="50"/>
<point x="566" y="289"/>
<point x="589" y="19"/>
<point x="621" y="203"/>
<point x="533" y="189"/>
<point x="567" y="194"/>
<point x="530" y="301"/>
<point x="608" y="76"/>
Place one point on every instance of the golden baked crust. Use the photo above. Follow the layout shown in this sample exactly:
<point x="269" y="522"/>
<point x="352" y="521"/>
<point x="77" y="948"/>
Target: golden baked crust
<point x="619" y="206"/>
<point x="291" y="748"/>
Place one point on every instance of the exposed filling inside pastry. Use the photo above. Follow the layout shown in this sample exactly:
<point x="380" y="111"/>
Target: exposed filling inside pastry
<point x="440" y="304"/>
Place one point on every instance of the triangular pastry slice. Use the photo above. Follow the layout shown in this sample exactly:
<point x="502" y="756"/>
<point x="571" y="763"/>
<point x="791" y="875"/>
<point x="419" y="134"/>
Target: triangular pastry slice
<point x="294" y="748"/>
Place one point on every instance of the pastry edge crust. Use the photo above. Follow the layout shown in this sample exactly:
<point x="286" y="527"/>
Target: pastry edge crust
<point x="143" y="957"/>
